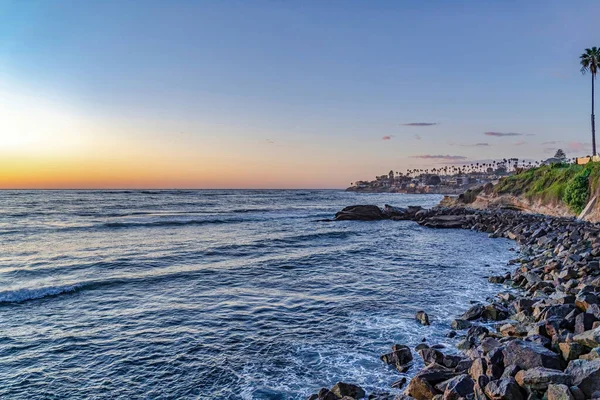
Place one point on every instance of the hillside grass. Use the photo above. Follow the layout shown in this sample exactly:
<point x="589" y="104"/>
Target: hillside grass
<point x="551" y="184"/>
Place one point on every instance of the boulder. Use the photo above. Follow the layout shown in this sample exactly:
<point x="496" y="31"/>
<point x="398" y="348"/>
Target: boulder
<point x="528" y="355"/>
<point x="422" y="385"/>
<point x="539" y="378"/>
<point x="342" y="389"/>
<point x="585" y="375"/>
<point x="458" y="387"/>
<point x="559" y="392"/>
<point x="589" y="338"/>
<point x="360" y="213"/>
<point x="422" y="317"/>
<point x="399" y="357"/>
<point x="460" y="324"/>
<point x="503" y="389"/>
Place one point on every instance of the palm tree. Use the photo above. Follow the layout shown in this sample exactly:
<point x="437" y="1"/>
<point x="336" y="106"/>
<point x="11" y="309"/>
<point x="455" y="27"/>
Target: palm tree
<point x="590" y="62"/>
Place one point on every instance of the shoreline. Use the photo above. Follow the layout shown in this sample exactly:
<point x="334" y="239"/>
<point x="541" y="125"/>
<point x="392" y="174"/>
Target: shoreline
<point x="543" y="342"/>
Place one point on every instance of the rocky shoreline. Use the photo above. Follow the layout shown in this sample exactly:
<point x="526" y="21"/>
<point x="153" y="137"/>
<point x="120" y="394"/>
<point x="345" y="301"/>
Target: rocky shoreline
<point x="539" y="342"/>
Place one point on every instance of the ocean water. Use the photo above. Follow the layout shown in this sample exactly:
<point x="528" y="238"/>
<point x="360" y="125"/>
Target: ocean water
<point x="220" y="294"/>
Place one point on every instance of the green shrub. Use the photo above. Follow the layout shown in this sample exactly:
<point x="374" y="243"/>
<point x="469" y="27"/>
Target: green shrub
<point x="576" y="192"/>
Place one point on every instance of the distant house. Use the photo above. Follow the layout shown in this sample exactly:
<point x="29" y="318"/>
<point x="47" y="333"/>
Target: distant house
<point x="553" y="160"/>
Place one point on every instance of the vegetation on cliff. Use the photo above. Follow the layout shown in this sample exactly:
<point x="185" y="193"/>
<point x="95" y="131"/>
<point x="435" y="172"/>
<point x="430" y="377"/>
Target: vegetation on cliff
<point x="570" y="184"/>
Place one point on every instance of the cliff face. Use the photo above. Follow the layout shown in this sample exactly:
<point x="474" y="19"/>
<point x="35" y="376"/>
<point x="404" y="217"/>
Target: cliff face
<point x="560" y="190"/>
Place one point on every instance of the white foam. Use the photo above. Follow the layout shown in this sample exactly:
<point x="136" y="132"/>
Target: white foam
<point x="24" y="294"/>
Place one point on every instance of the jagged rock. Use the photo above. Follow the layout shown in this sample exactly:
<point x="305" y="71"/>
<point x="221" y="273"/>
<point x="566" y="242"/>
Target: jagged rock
<point x="457" y="387"/>
<point x="478" y="368"/>
<point x="342" y="389"/>
<point x="585" y="375"/>
<point x="570" y="350"/>
<point x="400" y="357"/>
<point x="460" y="324"/>
<point x="422" y="317"/>
<point x="422" y="385"/>
<point x="503" y="389"/>
<point x="559" y="392"/>
<point x="496" y="279"/>
<point x="592" y="355"/>
<point x="583" y="322"/>
<point x="530" y="355"/>
<point x="399" y="384"/>
<point x="589" y="338"/>
<point x="539" y="378"/>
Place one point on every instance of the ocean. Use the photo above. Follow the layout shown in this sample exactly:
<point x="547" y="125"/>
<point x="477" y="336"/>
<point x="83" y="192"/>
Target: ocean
<point x="221" y="294"/>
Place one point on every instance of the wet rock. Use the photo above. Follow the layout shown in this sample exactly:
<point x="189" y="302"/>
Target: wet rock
<point x="503" y="389"/>
<point x="460" y="324"/>
<point x="360" y="213"/>
<point x="400" y="357"/>
<point x="585" y="375"/>
<point x="527" y="355"/>
<point x="539" y="378"/>
<point x="399" y="384"/>
<point x="342" y="389"/>
<point x="422" y="317"/>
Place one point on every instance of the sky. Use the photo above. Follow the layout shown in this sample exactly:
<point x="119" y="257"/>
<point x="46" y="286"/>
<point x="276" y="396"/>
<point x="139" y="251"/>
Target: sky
<point x="284" y="94"/>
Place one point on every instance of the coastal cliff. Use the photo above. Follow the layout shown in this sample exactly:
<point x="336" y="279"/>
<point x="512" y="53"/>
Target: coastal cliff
<point x="558" y="190"/>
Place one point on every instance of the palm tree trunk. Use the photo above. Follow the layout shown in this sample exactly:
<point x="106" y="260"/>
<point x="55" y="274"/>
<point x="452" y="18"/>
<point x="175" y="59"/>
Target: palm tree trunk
<point x="593" y="118"/>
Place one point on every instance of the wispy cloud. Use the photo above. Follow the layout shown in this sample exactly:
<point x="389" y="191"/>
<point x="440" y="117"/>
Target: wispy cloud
<point x="552" y="142"/>
<point x="418" y="137"/>
<point x="270" y="141"/>
<point x="520" y="143"/>
<point x="421" y="124"/>
<point x="482" y="144"/>
<point x="387" y="137"/>
<point x="439" y="157"/>
<point x="503" y="134"/>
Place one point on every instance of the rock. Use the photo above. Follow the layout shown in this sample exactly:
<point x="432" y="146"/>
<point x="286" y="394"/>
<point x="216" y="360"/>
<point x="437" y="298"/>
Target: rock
<point x="478" y="368"/>
<point x="399" y="384"/>
<point x="431" y="356"/>
<point x="460" y="324"/>
<point x="445" y="221"/>
<point x="559" y="392"/>
<point x="342" y="389"/>
<point x="589" y="338"/>
<point x="570" y="350"/>
<point x="360" y="213"/>
<point x="527" y="355"/>
<point x="585" y="375"/>
<point x="539" y="378"/>
<point x="503" y="389"/>
<point x="324" y="394"/>
<point x="399" y="357"/>
<point x="496" y="279"/>
<point x="422" y="317"/>
<point x="583" y="322"/>
<point x="458" y="387"/>
<point x="422" y="385"/>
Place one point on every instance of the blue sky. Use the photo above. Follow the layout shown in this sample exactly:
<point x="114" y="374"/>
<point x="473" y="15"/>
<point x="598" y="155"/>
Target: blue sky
<point x="294" y="93"/>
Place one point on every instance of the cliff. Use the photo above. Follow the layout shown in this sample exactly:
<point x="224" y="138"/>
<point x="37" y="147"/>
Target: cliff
<point x="561" y="190"/>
